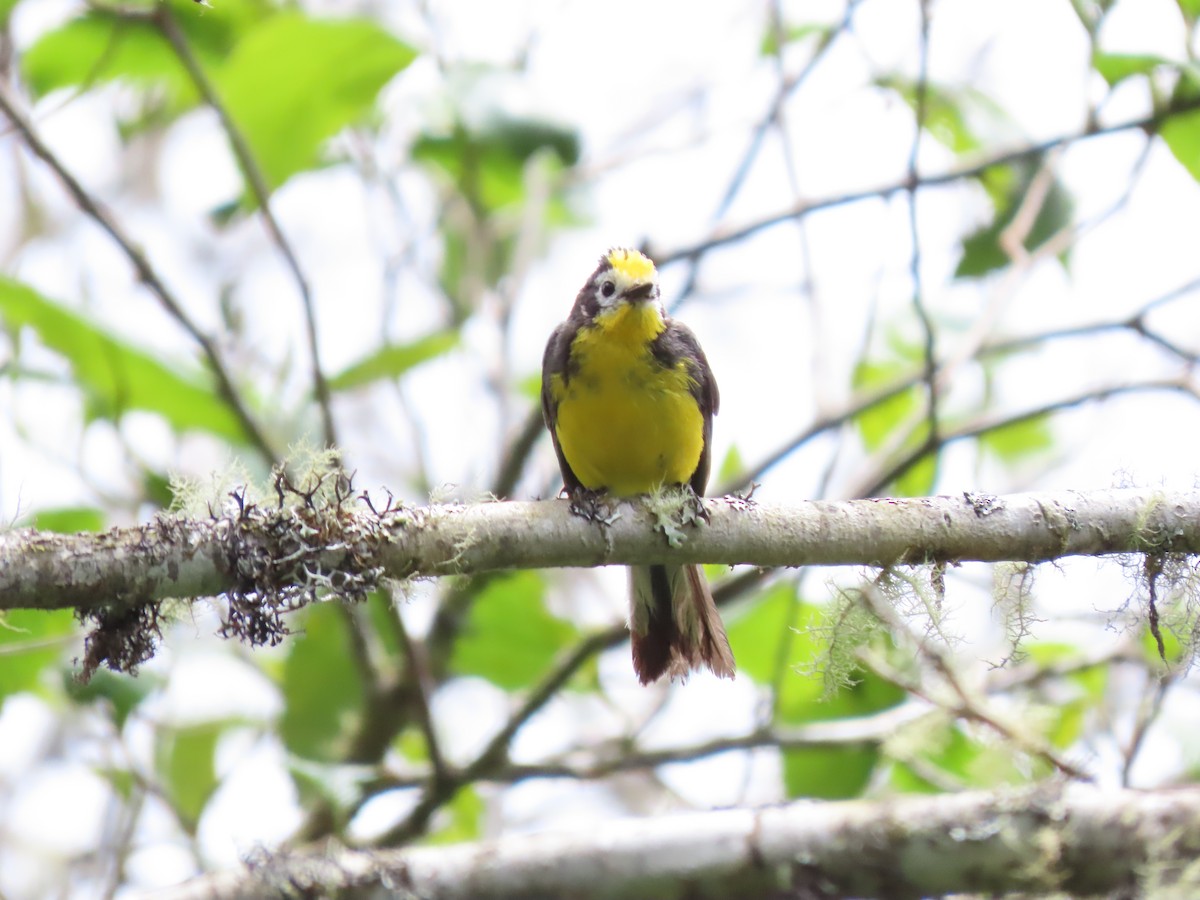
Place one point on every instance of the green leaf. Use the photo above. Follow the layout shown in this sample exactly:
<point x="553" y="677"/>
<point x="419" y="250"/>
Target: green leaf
<point x="487" y="165"/>
<point x="412" y="744"/>
<point x="509" y="637"/>
<point x="1093" y="680"/>
<point x="1190" y="9"/>
<point x="1020" y="440"/>
<point x="466" y="816"/>
<point x="29" y="645"/>
<point x="952" y="116"/>
<point x="1182" y="136"/>
<point x="918" y="481"/>
<point x="877" y="423"/>
<point x="1116" y="67"/>
<point x="966" y="761"/>
<point x="382" y="615"/>
<point x="6" y="8"/>
<point x="1172" y="646"/>
<point x="780" y="629"/>
<point x="294" y="82"/>
<point x="732" y="466"/>
<point x="323" y="692"/>
<point x="69" y="519"/>
<point x="830" y="774"/>
<point x="100" y="46"/>
<point x="394" y="361"/>
<point x="772" y="39"/>
<point x="115" y="376"/>
<point x="764" y="636"/>
<point x="1008" y="187"/>
<point x="187" y="766"/>
<point x="1066" y="725"/>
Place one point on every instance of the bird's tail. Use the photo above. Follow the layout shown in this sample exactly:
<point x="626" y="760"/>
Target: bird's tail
<point x="674" y="624"/>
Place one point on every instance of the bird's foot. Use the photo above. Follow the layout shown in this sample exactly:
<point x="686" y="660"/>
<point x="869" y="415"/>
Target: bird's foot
<point x="595" y="506"/>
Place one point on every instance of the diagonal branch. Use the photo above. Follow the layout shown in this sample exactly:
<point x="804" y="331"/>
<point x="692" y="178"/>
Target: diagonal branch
<point x="1149" y="124"/>
<point x="146" y="273"/>
<point x="877" y="480"/>
<point x="165" y="20"/>
<point x="494" y="755"/>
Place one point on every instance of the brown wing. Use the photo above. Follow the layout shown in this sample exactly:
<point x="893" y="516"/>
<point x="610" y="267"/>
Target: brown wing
<point x="678" y="343"/>
<point x="556" y="360"/>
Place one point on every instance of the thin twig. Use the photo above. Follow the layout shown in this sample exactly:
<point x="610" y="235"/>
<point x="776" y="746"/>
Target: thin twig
<point x="494" y="755"/>
<point x="1150" y="123"/>
<point x="787" y="87"/>
<point x="165" y="20"/>
<point x="1001" y="347"/>
<point x="986" y="424"/>
<point x="420" y="688"/>
<point x="864" y="731"/>
<point x="929" y="344"/>
<point x="964" y="704"/>
<point x="101" y="215"/>
<point x="512" y="463"/>
<point x="1148" y="712"/>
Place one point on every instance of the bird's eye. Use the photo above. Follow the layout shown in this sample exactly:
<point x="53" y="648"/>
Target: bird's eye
<point x="608" y="289"/>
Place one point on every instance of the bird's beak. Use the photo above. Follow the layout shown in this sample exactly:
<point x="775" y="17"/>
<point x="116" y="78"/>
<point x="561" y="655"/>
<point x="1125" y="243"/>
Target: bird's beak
<point x="641" y="293"/>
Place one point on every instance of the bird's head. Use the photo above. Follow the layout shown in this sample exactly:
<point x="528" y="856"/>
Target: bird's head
<point x="624" y="276"/>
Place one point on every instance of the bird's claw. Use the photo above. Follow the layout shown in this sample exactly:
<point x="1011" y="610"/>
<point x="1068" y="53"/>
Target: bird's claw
<point x="595" y="506"/>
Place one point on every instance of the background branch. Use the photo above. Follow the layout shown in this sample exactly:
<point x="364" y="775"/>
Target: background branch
<point x="146" y="273"/>
<point x="1081" y="841"/>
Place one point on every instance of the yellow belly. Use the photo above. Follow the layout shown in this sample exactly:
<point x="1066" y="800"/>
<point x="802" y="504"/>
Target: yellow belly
<point x="626" y="424"/>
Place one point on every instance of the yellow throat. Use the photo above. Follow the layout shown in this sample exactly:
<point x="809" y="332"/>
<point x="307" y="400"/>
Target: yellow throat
<point x="626" y="423"/>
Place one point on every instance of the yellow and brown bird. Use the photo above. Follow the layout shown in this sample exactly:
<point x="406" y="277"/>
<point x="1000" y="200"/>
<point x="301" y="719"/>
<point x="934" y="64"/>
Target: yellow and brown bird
<point x="629" y="399"/>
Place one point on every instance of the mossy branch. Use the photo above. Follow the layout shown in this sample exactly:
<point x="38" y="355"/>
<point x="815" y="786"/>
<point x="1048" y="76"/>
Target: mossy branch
<point x="347" y="548"/>
<point x="268" y="559"/>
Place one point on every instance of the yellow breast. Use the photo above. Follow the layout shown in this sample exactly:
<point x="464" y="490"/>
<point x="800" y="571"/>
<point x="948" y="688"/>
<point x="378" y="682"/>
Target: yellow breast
<point x="625" y="423"/>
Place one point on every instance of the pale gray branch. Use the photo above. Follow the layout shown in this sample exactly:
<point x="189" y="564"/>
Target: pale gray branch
<point x="266" y="551"/>
<point x="1079" y="840"/>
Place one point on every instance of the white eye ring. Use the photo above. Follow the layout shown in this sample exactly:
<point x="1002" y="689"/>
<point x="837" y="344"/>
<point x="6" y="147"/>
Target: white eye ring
<point x="608" y="289"/>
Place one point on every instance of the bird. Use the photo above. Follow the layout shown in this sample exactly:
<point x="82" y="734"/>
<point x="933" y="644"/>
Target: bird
<point x="628" y="397"/>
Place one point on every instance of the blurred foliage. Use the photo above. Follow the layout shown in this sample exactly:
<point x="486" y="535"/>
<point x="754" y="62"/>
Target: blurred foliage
<point x="30" y="644"/>
<point x="293" y="82"/>
<point x="323" y="689"/>
<point x="114" y="376"/>
<point x="901" y="415"/>
<point x="393" y="361"/>
<point x="1008" y="187"/>
<point x="69" y="520"/>
<point x="509" y="637"/>
<point x="488" y="170"/>
<point x="187" y="766"/>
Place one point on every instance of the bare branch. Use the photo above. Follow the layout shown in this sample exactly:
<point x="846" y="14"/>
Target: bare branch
<point x="165" y="20"/>
<point x="877" y="478"/>
<point x="1150" y="123"/>
<point x="103" y="217"/>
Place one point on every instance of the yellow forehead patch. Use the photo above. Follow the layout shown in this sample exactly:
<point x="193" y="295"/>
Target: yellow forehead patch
<point x="635" y="266"/>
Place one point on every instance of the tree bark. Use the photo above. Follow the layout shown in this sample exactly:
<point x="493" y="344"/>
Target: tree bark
<point x="1077" y="839"/>
<point x="264" y="550"/>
